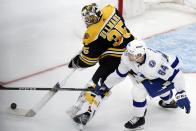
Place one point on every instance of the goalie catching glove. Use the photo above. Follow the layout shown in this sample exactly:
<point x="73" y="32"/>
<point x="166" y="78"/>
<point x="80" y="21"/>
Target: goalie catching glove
<point x="183" y="101"/>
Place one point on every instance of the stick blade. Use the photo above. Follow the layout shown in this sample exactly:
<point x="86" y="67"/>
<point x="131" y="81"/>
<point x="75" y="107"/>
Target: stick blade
<point x="21" y="112"/>
<point x="30" y="113"/>
<point x="1" y="86"/>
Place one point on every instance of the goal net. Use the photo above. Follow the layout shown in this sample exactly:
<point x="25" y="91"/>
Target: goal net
<point x="131" y="8"/>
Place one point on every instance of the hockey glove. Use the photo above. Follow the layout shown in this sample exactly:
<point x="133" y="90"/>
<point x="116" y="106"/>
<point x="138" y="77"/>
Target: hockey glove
<point x="183" y="101"/>
<point x="101" y="89"/>
<point x="74" y="63"/>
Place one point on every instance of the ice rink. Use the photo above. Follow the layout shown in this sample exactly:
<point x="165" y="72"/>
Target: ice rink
<point x="38" y="37"/>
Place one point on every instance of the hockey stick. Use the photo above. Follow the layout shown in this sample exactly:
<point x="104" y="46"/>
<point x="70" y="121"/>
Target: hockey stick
<point x="43" y="88"/>
<point x="33" y="111"/>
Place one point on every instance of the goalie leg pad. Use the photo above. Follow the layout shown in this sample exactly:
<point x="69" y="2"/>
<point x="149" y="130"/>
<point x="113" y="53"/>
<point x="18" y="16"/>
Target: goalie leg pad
<point x="85" y="107"/>
<point x="72" y="111"/>
<point x="91" y="102"/>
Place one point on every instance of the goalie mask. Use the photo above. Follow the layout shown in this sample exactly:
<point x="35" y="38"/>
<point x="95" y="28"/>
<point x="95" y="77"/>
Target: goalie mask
<point x="91" y="14"/>
<point x="136" y="49"/>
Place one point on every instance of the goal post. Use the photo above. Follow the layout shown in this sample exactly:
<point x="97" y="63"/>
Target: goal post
<point x="120" y="6"/>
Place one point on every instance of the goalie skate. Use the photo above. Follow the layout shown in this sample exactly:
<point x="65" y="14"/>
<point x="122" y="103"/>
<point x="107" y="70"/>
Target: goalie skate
<point x="81" y="120"/>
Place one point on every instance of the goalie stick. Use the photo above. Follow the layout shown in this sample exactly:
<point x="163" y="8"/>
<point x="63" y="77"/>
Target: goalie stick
<point x="34" y="110"/>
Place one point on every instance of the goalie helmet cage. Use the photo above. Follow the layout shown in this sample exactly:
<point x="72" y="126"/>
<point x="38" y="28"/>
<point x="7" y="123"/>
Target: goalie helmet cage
<point x="131" y="8"/>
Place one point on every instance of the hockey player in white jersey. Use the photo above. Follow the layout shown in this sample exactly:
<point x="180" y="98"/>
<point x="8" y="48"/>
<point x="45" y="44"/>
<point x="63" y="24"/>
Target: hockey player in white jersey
<point x="153" y="73"/>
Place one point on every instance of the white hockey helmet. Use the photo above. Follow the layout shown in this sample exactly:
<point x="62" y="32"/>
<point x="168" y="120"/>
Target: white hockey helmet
<point x="91" y="14"/>
<point x="136" y="47"/>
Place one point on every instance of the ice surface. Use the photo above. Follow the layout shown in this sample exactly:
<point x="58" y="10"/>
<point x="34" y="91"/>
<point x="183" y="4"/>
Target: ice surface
<point x="36" y="35"/>
<point x="181" y="42"/>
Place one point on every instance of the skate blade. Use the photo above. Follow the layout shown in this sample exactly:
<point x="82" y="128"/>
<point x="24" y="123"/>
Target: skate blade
<point x="78" y="126"/>
<point x="169" y="107"/>
<point x="135" y="129"/>
<point x="70" y="114"/>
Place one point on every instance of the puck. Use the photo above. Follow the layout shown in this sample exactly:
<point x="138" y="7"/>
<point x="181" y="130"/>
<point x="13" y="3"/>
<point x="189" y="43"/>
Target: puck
<point x="13" y="106"/>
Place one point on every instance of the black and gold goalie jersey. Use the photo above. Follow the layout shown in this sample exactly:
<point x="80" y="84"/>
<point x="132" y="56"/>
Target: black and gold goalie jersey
<point x="108" y="37"/>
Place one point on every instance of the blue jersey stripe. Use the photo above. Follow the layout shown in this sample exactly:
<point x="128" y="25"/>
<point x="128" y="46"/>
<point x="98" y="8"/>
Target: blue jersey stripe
<point x="173" y="75"/>
<point x="139" y="104"/>
<point x="168" y="96"/>
<point x="175" y="63"/>
<point x="120" y="74"/>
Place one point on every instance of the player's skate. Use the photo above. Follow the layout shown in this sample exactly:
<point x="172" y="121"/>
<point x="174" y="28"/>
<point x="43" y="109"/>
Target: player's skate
<point x="172" y="104"/>
<point x="136" y="123"/>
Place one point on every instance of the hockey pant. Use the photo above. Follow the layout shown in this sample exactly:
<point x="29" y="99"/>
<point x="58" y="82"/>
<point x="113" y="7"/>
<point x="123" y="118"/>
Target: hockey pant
<point x="139" y="94"/>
